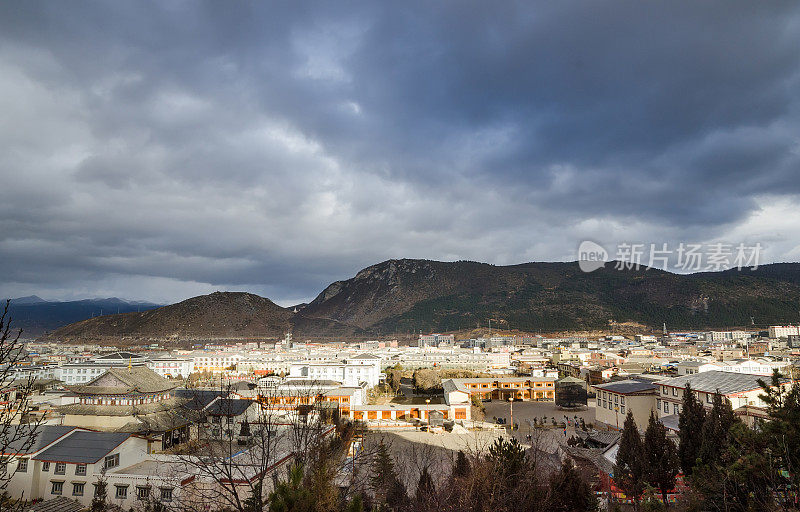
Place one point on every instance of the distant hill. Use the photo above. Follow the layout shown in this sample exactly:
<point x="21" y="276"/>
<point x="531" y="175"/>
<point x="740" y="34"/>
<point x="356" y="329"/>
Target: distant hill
<point x="406" y="296"/>
<point x="36" y="316"/>
<point x="412" y="295"/>
<point x="220" y="314"/>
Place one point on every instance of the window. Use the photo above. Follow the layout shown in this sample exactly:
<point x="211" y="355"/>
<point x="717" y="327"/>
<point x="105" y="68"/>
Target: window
<point x="664" y="390"/>
<point x="77" y="488"/>
<point x="80" y="469"/>
<point x="622" y="409"/>
<point x="675" y="408"/>
<point x="45" y="466"/>
<point x="57" y="488"/>
<point x="111" y="461"/>
<point x="61" y="468"/>
<point x="22" y="466"/>
<point x="674" y="391"/>
<point x="666" y="407"/>
<point x="122" y="492"/>
<point x="709" y="398"/>
<point x="98" y="486"/>
<point x="166" y="494"/>
<point x="142" y="493"/>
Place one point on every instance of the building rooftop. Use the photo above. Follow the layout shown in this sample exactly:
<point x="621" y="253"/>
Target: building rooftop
<point x="18" y="437"/>
<point x="727" y="383"/>
<point x="83" y="447"/>
<point x="125" y="381"/>
<point x="628" y="387"/>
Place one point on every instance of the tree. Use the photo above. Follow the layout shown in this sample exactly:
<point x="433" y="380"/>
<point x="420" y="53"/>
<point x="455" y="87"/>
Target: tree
<point x="291" y="496"/>
<point x="569" y="492"/>
<point x="427" y="380"/>
<point x="19" y="428"/>
<point x="100" y="496"/>
<point x="629" y="469"/>
<point x="783" y="429"/>
<point x="715" y="435"/>
<point x="661" y="457"/>
<point x="425" y="490"/>
<point x="461" y="468"/>
<point x="690" y="430"/>
<point x="394" y="376"/>
<point x="386" y="486"/>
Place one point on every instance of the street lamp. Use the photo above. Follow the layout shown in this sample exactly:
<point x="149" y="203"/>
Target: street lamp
<point x="511" y="402"/>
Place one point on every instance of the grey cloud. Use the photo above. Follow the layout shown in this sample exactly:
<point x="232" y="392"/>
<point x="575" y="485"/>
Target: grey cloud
<point x="277" y="147"/>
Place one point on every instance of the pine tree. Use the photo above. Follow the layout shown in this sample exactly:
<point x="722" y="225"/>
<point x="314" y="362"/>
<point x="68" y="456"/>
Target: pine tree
<point x="783" y="429"/>
<point x="690" y="430"/>
<point x="661" y="457"/>
<point x="425" y="490"/>
<point x="715" y="435"/>
<point x="629" y="470"/>
<point x="386" y="486"/>
<point x="462" y="467"/>
<point x="569" y="492"/>
<point x="291" y="496"/>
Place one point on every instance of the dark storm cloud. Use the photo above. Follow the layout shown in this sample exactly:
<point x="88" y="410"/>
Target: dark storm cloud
<point x="156" y="150"/>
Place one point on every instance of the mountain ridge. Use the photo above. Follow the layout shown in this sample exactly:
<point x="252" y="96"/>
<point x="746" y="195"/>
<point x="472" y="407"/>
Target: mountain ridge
<point x="409" y="295"/>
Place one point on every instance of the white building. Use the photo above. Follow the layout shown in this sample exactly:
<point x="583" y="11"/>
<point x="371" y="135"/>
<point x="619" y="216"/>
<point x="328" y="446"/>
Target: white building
<point x="783" y="331"/>
<point x="172" y="367"/>
<point x="216" y="362"/>
<point x="352" y="372"/>
<point x="80" y="373"/>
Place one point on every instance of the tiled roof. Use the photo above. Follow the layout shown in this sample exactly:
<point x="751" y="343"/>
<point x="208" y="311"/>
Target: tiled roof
<point x="59" y="504"/>
<point x="83" y="447"/>
<point x="727" y="383"/>
<point x="136" y="379"/>
<point x="228" y="407"/>
<point x="18" y="437"/>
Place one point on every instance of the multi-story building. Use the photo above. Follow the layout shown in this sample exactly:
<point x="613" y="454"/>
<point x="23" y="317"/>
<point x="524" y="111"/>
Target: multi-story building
<point x="83" y="372"/>
<point x="433" y="340"/>
<point x="739" y="388"/>
<point x="351" y="372"/>
<point x="172" y="367"/>
<point x="505" y="388"/>
<point x="216" y="362"/>
<point x="783" y="331"/>
<point x="615" y="399"/>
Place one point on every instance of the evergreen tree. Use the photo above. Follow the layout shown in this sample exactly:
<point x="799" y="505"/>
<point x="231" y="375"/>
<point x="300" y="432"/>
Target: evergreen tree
<point x="690" y="430"/>
<point x="629" y="469"/>
<point x="661" y="457"/>
<point x="783" y="429"/>
<point x="715" y="435"/>
<point x="569" y="492"/>
<point x="291" y="496"/>
<point x="425" y="490"/>
<point x="386" y="486"/>
<point x="462" y="467"/>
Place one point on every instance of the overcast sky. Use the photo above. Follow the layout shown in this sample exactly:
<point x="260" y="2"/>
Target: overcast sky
<point x="163" y="150"/>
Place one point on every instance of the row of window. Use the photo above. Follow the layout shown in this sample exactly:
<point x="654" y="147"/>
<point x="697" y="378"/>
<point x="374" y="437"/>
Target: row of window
<point x="617" y="398"/>
<point x="120" y="493"/>
<point x="606" y="404"/>
<point x="675" y="407"/>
